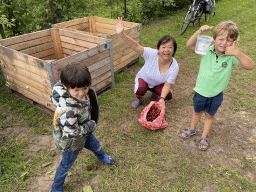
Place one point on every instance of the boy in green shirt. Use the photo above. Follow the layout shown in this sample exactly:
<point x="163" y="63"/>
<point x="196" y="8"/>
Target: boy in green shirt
<point x="214" y="73"/>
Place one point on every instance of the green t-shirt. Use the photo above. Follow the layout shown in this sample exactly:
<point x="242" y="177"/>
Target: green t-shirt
<point x="214" y="73"/>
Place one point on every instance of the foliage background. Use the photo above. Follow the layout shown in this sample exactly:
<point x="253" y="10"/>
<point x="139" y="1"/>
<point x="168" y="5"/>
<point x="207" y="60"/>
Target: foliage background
<point x="24" y="16"/>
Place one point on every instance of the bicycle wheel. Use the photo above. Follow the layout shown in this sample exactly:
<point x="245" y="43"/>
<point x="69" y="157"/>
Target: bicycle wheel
<point x="207" y="16"/>
<point x="185" y="23"/>
<point x="198" y="15"/>
<point x="213" y="7"/>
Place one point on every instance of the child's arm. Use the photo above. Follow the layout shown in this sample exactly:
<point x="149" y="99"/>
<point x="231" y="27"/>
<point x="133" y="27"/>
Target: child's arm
<point x="244" y="61"/>
<point x="69" y="125"/>
<point x="128" y="40"/>
<point x="191" y="44"/>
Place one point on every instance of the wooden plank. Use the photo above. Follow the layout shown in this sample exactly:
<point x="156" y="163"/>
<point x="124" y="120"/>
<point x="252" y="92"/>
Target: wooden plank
<point x="84" y="27"/>
<point x="73" y="47"/>
<point x="18" y="79"/>
<point x="82" y="55"/>
<point x="103" y="30"/>
<point x="49" y="109"/>
<point x="45" y="53"/>
<point x="107" y="27"/>
<point x="22" y="72"/>
<point x="96" y="58"/>
<point x="118" y="41"/>
<point x="101" y="78"/>
<point x="74" y="22"/>
<point x="124" y="58"/>
<point x="122" y="53"/>
<point x="113" y="22"/>
<point x="29" y="88"/>
<point x="106" y="83"/>
<point x="26" y="66"/>
<point x="31" y="43"/>
<point x="56" y="42"/>
<point x="50" y="57"/>
<point x="38" y="48"/>
<point x="24" y="38"/>
<point x="121" y="45"/>
<point x="81" y="36"/>
<point x="99" y="64"/>
<point x="28" y="94"/>
<point x="12" y="56"/>
<point x="126" y="63"/>
<point x="92" y="24"/>
<point x="100" y="71"/>
<point x="128" y="32"/>
<point x="78" y="42"/>
<point x="67" y="52"/>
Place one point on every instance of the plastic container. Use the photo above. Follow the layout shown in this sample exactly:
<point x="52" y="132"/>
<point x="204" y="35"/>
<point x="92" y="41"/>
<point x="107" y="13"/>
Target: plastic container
<point x="203" y="43"/>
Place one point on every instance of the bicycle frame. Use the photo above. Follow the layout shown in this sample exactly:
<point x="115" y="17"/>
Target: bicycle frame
<point x="195" y="13"/>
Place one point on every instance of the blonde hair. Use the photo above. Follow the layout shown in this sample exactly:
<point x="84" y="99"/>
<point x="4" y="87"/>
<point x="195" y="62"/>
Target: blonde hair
<point x="226" y="26"/>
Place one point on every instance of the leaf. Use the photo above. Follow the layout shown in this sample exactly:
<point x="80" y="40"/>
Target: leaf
<point x="46" y="164"/>
<point x="89" y="174"/>
<point x="87" y="188"/>
<point x="53" y="174"/>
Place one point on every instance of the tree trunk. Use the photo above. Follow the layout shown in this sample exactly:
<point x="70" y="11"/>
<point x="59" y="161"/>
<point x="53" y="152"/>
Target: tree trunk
<point x="2" y="31"/>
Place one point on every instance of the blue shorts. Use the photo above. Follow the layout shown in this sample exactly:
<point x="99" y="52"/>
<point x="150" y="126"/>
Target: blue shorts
<point x="208" y="104"/>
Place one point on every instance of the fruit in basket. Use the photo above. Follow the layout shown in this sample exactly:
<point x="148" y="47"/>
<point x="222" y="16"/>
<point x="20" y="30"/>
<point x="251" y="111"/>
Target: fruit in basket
<point x="153" y="113"/>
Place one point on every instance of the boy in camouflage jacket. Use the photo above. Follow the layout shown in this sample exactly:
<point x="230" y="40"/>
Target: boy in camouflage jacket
<point x="75" y="118"/>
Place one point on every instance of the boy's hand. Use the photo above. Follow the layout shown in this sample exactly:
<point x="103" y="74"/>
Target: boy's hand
<point x="232" y="50"/>
<point x="205" y="28"/>
<point x="92" y="126"/>
<point x="119" y="25"/>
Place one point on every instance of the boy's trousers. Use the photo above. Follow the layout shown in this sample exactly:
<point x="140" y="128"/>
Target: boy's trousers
<point x="68" y="160"/>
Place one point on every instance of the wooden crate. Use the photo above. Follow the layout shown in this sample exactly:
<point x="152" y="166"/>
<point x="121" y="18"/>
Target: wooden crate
<point x="103" y="27"/>
<point x="31" y="63"/>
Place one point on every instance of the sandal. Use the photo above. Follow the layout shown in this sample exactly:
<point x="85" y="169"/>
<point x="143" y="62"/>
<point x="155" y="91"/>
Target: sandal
<point x="205" y="144"/>
<point x="192" y="132"/>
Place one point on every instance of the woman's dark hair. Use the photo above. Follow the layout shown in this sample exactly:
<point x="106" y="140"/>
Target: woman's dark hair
<point x="75" y="74"/>
<point x="166" y="39"/>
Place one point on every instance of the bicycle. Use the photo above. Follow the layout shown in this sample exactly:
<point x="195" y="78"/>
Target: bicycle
<point x="195" y="12"/>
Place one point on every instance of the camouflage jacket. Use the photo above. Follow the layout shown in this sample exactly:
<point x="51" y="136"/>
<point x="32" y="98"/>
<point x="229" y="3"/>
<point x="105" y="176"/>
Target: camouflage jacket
<point x="72" y="117"/>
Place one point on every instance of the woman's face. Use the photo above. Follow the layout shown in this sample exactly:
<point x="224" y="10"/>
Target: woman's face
<point x="166" y="50"/>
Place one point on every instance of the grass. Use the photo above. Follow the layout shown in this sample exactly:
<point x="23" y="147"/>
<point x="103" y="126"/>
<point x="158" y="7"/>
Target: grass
<point x="145" y="160"/>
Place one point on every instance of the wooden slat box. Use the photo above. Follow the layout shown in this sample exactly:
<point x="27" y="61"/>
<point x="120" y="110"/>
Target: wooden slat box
<point x="104" y="27"/>
<point x="31" y="63"/>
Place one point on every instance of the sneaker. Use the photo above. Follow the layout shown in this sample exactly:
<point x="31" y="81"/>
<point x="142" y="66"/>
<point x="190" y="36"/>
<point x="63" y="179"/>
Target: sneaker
<point x="136" y="103"/>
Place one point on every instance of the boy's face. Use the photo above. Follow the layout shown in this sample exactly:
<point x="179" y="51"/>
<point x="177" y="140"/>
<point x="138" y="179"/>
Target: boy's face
<point x="221" y="42"/>
<point x="166" y="50"/>
<point x="78" y="93"/>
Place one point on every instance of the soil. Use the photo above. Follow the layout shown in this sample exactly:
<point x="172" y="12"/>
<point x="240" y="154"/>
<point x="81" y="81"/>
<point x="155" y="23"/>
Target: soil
<point x="232" y="138"/>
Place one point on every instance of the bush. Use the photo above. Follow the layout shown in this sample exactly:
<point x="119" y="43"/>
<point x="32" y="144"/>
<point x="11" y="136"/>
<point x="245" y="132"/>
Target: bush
<point x="144" y="11"/>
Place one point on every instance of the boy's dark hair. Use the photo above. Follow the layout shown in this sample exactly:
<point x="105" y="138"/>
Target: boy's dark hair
<point x="166" y="39"/>
<point x="74" y="75"/>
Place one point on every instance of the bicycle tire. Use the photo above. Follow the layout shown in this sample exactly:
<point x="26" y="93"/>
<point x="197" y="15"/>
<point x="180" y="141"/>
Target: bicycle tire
<point x="207" y="16"/>
<point x="198" y="16"/>
<point x="213" y="8"/>
<point x="186" y="21"/>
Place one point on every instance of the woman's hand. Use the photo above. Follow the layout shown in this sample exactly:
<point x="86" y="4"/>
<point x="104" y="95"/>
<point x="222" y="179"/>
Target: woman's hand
<point x="119" y="25"/>
<point x="162" y="102"/>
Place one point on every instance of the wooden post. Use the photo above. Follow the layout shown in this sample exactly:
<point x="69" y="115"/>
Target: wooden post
<point x="5" y="78"/>
<point x="56" y="43"/>
<point x="92" y="24"/>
